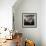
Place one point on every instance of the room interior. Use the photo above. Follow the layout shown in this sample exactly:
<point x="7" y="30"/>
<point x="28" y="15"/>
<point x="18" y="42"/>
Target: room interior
<point x="13" y="32"/>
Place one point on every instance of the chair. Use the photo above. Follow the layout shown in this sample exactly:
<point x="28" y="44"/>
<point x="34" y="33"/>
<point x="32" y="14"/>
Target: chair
<point x="18" y="39"/>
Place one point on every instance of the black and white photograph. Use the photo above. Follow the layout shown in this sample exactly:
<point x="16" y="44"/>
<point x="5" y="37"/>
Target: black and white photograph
<point x="29" y="19"/>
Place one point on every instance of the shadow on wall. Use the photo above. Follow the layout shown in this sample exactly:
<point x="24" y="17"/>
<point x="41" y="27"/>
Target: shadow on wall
<point x="17" y="4"/>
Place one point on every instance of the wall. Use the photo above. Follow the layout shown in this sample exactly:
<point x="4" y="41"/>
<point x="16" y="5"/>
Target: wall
<point x="43" y="22"/>
<point x="6" y="13"/>
<point x="28" y="6"/>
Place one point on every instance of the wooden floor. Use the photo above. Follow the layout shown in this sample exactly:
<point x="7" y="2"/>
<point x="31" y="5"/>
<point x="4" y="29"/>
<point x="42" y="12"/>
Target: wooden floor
<point x="9" y="43"/>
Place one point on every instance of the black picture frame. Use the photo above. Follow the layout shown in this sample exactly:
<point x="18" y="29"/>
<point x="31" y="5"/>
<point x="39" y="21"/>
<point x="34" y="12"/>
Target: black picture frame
<point x="29" y="20"/>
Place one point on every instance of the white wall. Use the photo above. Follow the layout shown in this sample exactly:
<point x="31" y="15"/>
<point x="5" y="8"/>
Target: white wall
<point x="6" y="13"/>
<point x="36" y="6"/>
<point x="28" y="6"/>
<point x="43" y="22"/>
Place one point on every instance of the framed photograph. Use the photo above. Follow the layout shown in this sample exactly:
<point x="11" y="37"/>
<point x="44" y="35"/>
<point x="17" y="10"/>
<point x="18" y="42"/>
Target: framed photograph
<point x="29" y="20"/>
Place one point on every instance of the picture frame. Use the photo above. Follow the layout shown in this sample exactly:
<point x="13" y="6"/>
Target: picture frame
<point x="29" y="20"/>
